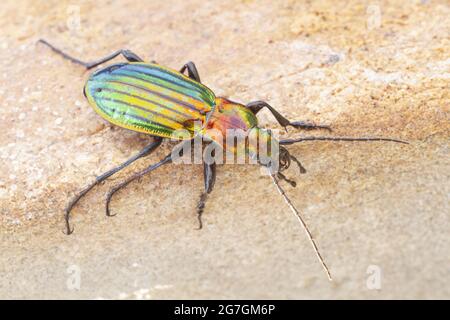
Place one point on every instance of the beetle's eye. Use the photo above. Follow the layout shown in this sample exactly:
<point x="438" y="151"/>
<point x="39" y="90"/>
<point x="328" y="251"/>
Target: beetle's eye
<point x="98" y="90"/>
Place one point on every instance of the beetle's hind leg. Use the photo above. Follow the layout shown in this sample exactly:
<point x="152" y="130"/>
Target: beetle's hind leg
<point x="127" y="54"/>
<point x="192" y="71"/>
<point x="140" y="174"/>
<point x="135" y="176"/>
<point x="144" y="152"/>
<point x="256" y="106"/>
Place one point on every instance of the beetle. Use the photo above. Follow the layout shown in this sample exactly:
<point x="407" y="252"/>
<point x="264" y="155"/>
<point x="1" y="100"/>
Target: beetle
<point x="159" y="101"/>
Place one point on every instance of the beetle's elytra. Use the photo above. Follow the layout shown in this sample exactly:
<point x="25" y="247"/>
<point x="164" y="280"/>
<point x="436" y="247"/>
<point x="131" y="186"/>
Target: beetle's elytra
<point x="152" y="99"/>
<point x="148" y="98"/>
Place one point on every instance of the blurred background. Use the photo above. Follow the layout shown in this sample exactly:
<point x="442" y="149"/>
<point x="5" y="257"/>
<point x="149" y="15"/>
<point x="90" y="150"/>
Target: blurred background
<point x="379" y="211"/>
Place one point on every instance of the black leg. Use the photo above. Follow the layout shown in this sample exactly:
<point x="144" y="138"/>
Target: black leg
<point x="256" y="106"/>
<point x="209" y="177"/>
<point x="144" y="152"/>
<point x="285" y="159"/>
<point x="283" y="177"/>
<point x="192" y="71"/>
<point x="135" y="176"/>
<point x="139" y="174"/>
<point x="130" y="56"/>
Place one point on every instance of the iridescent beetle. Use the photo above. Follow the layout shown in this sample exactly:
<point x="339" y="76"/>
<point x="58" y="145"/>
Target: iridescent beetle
<point x="152" y="99"/>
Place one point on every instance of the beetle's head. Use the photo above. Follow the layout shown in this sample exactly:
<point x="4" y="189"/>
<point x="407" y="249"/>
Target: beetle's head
<point x="266" y="149"/>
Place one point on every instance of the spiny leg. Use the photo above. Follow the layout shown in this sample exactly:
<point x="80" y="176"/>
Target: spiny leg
<point x="256" y="106"/>
<point x="209" y="178"/>
<point x="192" y="71"/>
<point x="127" y="54"/>
<point x="135" y="176"/>
<point x="144" y="152"/>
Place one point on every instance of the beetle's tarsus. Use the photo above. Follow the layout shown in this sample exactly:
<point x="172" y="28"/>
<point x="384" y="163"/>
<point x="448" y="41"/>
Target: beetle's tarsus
<point x="201" y="208"/>
<point x="283" y="177"/>
<point x="209" y="179"/>
<point x="200" y="223"/>
<point x="72" y="204"/>
<point x="300" y="166"/>
<point x="115" y="189"/>
<point x="68" y="229"/>
<point x="108" y="201"/>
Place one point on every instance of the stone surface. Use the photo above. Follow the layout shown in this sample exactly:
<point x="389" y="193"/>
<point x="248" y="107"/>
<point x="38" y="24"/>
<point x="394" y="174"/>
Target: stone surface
<point x="371" y="68"/>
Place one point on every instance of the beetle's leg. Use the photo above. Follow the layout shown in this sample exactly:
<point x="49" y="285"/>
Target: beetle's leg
<point x="138" y="175"/>
<point x="256" y="106"/>
<point x="130" y="56"/>
<point x="144" y="152"/>
<point x="209" y="177"/>
<point x="192" y="71"/>
<point x="135" y="176"/>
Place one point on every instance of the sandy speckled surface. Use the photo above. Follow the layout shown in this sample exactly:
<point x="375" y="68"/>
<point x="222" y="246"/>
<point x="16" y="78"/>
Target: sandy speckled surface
<point x="380" y="69"/>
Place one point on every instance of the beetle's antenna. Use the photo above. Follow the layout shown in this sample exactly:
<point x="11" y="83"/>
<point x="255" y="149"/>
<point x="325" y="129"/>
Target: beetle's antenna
<point x="292" y="141"/>
<point x="303" y="223"/>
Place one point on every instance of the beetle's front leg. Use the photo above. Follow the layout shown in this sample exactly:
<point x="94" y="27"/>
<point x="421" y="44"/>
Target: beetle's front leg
<point x="209" y="178"/>
<point x="127" y="54"/>
<point x="256" y="106"/>
<point x="192" y="71"/>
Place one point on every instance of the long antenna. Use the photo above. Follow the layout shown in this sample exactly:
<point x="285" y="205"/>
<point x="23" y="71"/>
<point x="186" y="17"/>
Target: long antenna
<point x="303" y="223"/>
<point x="292" y="141"/>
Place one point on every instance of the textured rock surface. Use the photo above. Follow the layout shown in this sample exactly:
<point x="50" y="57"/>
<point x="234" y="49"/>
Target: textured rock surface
<point x="372" y="68"/>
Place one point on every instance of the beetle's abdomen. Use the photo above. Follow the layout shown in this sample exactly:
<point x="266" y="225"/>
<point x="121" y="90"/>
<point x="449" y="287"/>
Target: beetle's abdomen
<point x="148" y="98"/>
